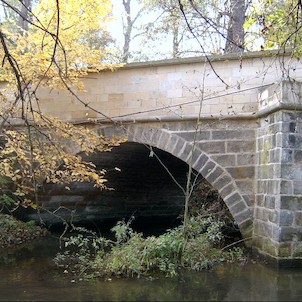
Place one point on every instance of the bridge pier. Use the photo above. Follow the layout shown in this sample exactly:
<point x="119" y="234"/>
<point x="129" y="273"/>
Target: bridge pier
<point x="277" y="230"/>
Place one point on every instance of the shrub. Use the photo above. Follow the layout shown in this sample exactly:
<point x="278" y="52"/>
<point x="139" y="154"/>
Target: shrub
<point x="130" y="254"/>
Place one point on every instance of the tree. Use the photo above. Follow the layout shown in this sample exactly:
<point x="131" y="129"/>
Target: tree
<point x="278" y="24"/>
<point x="24" y="15"/>
<point x="50" y="50"/>
<point x="235" y="30"/>
<point x="223" y="19"/>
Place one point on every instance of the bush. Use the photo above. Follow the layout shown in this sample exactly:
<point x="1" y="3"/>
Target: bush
<point x="130" y="254"/>
<point x="13" y="231"/>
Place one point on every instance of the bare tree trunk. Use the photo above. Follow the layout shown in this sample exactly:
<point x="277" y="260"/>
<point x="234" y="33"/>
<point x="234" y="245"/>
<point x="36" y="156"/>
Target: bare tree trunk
<point x="235" y="33"/>
<point x="24" y="16"/>
<point x="127" y="30"/>
<point x="175" y="42"/>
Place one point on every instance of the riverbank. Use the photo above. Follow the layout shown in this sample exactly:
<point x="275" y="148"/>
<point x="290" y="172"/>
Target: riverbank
<point x="14" y="232"/>
<point x="27" y="273"/>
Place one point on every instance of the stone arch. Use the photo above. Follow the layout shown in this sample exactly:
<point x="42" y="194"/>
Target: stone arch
<point x="214" y="173"/>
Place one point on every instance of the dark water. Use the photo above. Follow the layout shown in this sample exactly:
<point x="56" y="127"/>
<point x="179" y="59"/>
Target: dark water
<point x="28" y="274"/>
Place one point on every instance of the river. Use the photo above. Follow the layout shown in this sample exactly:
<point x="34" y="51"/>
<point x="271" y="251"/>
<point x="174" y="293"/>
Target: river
<point x="28" y="273"/>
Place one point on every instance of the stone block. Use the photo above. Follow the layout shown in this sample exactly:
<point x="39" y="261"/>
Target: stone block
<point x="285" y="250"/>
<point x="271" y="186"/>
<point x="296" y="249"/>
<point x="215" y="174"/>
<point x="269" y="201"/>
<point x="186" y="153"/>
<point x="286" y="218"/>
<point x="291" y="172"/>
<point x="207" y="168"/>
<point x="193" y="135"/>
<point x="240" y="134"/>
<point x="260" y="186"/>
<point x="289" y="233"/>
<point x="239" y="207"/>
<point x="290" y="202"/>
<point x="261" y="214"/>
<point x="243" y="216"/>
<point x="286" y="155"/>
<point x="233" y="199"/>
<point x="200" y="161"/>
<point x="227" y="190"/>
<point x="260" y="143"/>
<point x="247" y="159"/>
<point x="212" y="147"/>
<point x="265" y="171"/>
<point x="113" y="97"/>
<point x="260" y="200"/>
<point x="264" y="229"/>
<point x="274" y="156"/>
<point x="242" y="172"/>
<point x="298" y="156"/>
<point x="246" y="186"/>
<point x="163" y="140"/>
<point x="295" y="141"/>
<point x="297" y="184"/>
<point x="240" y="146"/>
<point x="246" y="229"/>
<point x="179" y="146"/>
<point x="298" y="218"/>
<point x="225" y="160"/>
<point x="222" y="181"/>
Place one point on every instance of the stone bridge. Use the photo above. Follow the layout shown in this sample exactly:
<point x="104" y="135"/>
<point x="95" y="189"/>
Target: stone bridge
<point x="236" y="119"/>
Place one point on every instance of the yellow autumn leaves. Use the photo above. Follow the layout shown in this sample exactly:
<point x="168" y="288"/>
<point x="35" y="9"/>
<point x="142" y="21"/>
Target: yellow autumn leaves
<point x="52" y="52"/>
<point x="54" y="45"/>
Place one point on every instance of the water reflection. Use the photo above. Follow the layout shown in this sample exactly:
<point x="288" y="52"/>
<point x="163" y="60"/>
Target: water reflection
<point x="28" y="274"/>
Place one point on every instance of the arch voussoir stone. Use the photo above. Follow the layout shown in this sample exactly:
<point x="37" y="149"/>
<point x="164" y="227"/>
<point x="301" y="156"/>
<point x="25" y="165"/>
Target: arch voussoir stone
<point x="162" y="140"/>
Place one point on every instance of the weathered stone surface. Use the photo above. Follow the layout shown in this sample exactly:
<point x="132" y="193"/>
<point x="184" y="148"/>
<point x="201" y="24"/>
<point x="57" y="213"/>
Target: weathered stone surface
<point x="247" y="159"/>
<point x="286" y="218"/>
<point x="240" y="134"/>
<point x="241" y="146"/>
<point x="242" y="172"/>
<point x="225" y="160"/>
<point x="212" y="147"/>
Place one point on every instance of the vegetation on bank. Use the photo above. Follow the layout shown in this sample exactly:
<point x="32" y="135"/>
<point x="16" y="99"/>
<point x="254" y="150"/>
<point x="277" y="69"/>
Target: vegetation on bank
<point x="130" y="254"/>
<point x="13" y="231"/>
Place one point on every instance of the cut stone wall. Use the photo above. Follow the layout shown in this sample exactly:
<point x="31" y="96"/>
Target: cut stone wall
<point x="227" y="86"/>
<point x="278" y="210"/>
<point x="223" y="153"/>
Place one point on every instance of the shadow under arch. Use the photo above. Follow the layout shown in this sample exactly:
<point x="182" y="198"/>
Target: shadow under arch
<point x="210" y="170"/>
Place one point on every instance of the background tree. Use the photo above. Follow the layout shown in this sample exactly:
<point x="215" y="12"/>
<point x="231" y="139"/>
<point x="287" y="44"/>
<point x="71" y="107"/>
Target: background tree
<point x="278" y="24"/>
<point x="182" y="28"/>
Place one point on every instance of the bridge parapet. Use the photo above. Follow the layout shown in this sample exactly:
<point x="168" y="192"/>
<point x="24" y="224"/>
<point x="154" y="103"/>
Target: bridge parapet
<point x="221" y="87"/>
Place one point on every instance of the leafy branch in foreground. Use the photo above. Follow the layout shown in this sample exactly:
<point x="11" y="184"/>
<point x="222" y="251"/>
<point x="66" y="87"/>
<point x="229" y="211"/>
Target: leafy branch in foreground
<point x="46" y="152"/>
<point x="51" y="51"/>
<point x="132" y="255"/>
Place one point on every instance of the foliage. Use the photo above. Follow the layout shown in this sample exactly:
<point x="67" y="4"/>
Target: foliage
<point x="130" y="254"/>
<point x="269" y="16"/>
<point x="55" y="44"/>
<point x="206" y="199"/>
<point x="14" y="232"/>
<point x="53" y="51"/>
<point x="29" y="165"/>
